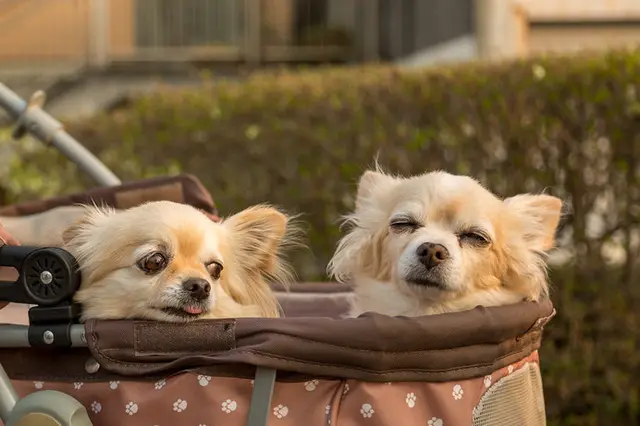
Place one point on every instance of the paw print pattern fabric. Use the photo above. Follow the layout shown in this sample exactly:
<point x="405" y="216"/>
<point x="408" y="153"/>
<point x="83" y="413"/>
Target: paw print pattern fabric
<point x="187" y="398"/>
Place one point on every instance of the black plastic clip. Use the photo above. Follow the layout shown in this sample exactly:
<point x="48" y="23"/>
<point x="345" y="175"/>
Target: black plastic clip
<point x="50" y="326"/>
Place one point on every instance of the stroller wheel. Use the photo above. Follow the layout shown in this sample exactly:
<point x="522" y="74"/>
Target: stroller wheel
<point x="49" y="408"/>
<point x="50" y="276"/>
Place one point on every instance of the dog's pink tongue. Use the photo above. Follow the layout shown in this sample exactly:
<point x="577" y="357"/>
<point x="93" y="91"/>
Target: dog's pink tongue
<point x="193" y="310"/>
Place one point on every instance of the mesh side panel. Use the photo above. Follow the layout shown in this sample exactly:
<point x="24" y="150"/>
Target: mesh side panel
<point x="515" y="399"/>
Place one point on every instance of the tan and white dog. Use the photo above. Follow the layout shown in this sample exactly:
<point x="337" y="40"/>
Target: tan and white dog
<point x="437" y="243"/>
<point x="170" y="262"/>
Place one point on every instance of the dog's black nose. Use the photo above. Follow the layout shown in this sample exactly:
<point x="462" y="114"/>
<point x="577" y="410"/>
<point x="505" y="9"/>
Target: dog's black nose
<point x="431" y="255"/>
<point x="198" y="288"/>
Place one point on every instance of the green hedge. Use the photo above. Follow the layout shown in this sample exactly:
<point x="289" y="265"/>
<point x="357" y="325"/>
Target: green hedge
<point x="566" y="125"/>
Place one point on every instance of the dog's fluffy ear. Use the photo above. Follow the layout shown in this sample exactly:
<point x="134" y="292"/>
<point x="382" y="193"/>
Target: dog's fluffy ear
<point x="74" y="230"/>
<point x="351" y="246"/>
<point x="369" y="182"/>
<point x="257" y="236"/>
<point x="92" y="217"/>
<point x="256" y="233"/>
<point x="539" y="218"/>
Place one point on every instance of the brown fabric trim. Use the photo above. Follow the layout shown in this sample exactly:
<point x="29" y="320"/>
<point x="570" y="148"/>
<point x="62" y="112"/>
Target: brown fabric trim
<point x="371" y="348"/>
<point x="184" y="188"/>
<point x="32" y="364"/>
<point x="135" y="197"/>
<point x="199" y="337"/>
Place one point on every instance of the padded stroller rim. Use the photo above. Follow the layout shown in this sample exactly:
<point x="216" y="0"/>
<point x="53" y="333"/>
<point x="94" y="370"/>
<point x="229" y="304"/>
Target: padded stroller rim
<point x="373" y="347"/>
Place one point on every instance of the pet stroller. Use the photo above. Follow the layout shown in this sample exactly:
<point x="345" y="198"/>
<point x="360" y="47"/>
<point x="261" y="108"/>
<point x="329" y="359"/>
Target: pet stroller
<point x="311" y="367"/>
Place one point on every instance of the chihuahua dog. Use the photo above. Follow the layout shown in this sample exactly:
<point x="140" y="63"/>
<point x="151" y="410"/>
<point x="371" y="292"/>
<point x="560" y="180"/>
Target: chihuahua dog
<point x="170" y="262"/>
<point x="437" y="243"/>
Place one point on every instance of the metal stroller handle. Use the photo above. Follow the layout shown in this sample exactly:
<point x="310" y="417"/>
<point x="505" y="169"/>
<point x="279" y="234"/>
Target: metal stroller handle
<point x="33" y="119"/>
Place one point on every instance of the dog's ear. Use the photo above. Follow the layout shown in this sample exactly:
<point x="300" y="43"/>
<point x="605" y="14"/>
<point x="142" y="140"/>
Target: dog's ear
<point x="75" y="229"/>
<point x="256" y="235"/>
<point x="539" y="218"/>
<point x="369" y="182"/>
<point x="90" y="218"/>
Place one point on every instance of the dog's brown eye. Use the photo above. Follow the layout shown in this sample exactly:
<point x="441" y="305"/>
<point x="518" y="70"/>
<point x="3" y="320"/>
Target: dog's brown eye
<point x="153" y="263"/>
<point x="475" y="238"/>
<point x="215" y="269"/>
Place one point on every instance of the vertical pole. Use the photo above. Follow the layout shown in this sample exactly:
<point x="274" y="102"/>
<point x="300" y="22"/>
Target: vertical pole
<point x="495" y="29"/>
<point x="253" y="31"/>
<point x="8" y="395"/>
<point x="99" y="33"/>
<point x="371" y="25"/>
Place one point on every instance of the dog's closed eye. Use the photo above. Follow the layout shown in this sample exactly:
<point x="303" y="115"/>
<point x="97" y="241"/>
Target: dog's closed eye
<point x="404" y="224"/>
<point x="474" y="237"/>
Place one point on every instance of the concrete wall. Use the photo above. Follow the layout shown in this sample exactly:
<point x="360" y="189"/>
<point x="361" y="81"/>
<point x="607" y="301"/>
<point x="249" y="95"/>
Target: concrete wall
<point x="573" y="25"/>
<point x="571" y="38"/>
<point x="518" y="28"/>
<point x="41" y="29"/>
<point x="121" y="27"/>
<point x="60" y="29"/>
<point x="580" y="9"/>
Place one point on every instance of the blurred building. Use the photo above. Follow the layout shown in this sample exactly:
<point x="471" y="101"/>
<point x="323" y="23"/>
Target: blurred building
<point x="103" y="32"/>
<point x="529" y="27"/>
<point x="97" y="49"/>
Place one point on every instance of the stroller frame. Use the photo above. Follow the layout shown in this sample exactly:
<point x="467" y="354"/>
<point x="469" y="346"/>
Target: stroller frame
<point x="31" y="118"/>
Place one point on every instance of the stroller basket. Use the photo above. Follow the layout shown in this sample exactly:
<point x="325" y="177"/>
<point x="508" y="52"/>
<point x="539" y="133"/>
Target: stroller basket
<point x="310" y="368"/>
<point x="478" y="367"/>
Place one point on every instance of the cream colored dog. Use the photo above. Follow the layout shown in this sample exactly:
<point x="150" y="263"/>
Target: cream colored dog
<point x="168" y="261"/>
<point x="439" y="243"/>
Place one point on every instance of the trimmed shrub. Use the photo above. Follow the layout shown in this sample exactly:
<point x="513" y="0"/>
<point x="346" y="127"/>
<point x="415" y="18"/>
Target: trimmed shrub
<point x="569" y="126"/>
